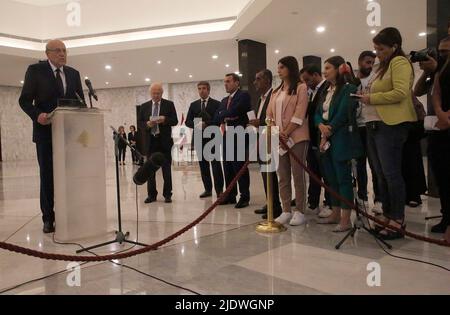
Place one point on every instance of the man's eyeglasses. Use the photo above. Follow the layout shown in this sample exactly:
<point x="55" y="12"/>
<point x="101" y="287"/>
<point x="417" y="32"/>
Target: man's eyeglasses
<point x="58" y="50"/>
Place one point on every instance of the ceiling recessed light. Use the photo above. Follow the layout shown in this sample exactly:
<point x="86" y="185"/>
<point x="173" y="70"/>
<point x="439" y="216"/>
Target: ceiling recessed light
<point x="86" y="78"/>
<point x="227" y="66"/>
<point x="320" y="29"/>
<point x="332" y="50"/>
<point x="159" y="62"/>
<point x="374" y="51"/>
<point x="130" y="74"/>
<point x="147" y="79"/>
<point x="373" y="32"/>
<point x="277" y="51"/>
<point x="215" y="57"/>
<point x="191" y="76"/>
<point x="22" y="82"/>
<point x="107" y="83"/>
<point x="176" y="69"/>
<point x="108" y="67"/>
<point x="423" y="34"/>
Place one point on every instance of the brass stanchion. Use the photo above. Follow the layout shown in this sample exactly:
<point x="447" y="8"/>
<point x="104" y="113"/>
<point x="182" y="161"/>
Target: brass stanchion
<point x="270" y="226"/>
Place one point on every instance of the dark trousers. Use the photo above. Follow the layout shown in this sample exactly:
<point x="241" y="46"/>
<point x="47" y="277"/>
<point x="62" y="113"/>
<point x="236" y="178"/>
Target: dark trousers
<point x="122" y="153"/>
<point x="439" y="155"/>
<point x="157" y="146"/>
<point x="205" y="170"/>
<point x="385" y="147"/>
<point x="277" y="209"/>
<point x="45" y="160"/>
<point x="315" y="189"/>
<point x="413" y="169"/>
<point x="231" y="169"/>
<point x="362" y="177"/>
<point x="134" y="155"/>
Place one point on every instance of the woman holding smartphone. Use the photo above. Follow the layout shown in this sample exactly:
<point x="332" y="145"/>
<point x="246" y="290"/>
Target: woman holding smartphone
<point x="389" y="114"/>
<point x="340" y="143"/>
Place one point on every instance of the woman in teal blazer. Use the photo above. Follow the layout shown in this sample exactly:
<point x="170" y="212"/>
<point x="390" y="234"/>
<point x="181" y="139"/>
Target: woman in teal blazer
<point x="340" y="142"/>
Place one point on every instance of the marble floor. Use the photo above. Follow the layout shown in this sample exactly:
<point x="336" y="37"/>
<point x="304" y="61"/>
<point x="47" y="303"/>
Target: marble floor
<point x="222" y="255"/>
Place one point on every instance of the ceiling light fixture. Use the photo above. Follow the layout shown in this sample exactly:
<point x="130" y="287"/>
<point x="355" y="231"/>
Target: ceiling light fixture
<point x="215" y="57"/>
<point x="108" y="67"/>
<point x="320" y="29"/>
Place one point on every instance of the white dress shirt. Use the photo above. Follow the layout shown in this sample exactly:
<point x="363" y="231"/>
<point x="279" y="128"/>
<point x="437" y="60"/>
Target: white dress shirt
<point x="317" y="89"/>
<point x="63" y="75"/>
<point x="263" y="101"/>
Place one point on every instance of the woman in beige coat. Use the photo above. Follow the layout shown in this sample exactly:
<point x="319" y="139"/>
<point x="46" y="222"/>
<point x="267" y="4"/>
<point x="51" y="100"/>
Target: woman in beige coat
<point x="288" y="108"/>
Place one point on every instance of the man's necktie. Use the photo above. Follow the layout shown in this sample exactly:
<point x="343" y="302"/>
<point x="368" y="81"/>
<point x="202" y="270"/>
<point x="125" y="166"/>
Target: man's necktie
<point x="203" y="105"/>
<point x="155" y="128"/>
<point x="222" y="127"/>
<point x="59" y="83"/>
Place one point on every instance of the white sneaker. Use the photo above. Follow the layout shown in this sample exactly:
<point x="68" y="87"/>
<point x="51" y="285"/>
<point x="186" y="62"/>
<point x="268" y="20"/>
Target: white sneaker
<point x="298" y="219"/>
<point x="377" y="208"/>
<point x="325" y="213"/>
<point x="310" y="211"/>
<point x="284" y="218"/>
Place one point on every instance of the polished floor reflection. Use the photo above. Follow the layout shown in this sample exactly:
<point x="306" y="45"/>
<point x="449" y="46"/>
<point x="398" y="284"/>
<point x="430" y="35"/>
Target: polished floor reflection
<point x="222" y="255"/>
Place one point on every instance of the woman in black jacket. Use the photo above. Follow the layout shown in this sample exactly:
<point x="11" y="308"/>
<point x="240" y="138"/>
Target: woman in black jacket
<point x="132" y="138"/>
<point x="122" y="145"/>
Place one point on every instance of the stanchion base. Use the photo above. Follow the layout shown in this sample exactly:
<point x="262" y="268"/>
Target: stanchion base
<point x="270" y="227"/>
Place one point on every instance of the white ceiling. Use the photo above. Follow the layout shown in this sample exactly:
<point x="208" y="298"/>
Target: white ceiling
<point x="42" y="3"/>
<point x="286" y="25"/>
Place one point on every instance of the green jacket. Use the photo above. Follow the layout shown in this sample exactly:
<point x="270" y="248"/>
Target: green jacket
<point x="345" y="141"/>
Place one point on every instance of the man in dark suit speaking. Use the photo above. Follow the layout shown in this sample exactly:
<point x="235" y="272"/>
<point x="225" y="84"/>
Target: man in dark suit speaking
<point x="45" y="83"/>
<point x="231" y="114"/>
<point x="204" y="110"/>
<point x="159" y="116"/>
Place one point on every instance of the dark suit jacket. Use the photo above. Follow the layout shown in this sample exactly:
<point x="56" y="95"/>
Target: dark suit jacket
<point x="312" y="109"/>
<point x="167" y="110"/>
<point x="195" y="112"/>
<point x="239" y="107"/>
<point x="262" y="119"/>
<point x="132" y="137"/>
<point x="40" y="95"/>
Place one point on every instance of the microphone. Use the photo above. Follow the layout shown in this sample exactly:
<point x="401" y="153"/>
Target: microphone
<point x="150" y="167"/>
<point x="80" y="99"/>
<point x="91" y="89"/>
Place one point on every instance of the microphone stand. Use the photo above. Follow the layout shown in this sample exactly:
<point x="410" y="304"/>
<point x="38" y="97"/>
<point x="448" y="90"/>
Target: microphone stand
<point x="121" y="237"/>
<point x="359" y="224"/>
<point x="90" y="98"/>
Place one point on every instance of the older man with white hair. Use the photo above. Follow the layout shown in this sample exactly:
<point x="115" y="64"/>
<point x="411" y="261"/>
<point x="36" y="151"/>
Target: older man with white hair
<point x="159" y="116"/>
<point x="45" y="83"/>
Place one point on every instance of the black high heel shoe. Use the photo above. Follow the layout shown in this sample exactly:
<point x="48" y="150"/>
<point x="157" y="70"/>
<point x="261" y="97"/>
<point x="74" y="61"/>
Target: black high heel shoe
<point x="390" y="235"/>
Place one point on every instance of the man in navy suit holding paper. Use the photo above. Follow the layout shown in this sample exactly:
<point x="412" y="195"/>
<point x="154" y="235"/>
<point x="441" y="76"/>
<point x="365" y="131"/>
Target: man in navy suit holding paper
<point x="231" y="114"/>
<point x="45" y="83"/>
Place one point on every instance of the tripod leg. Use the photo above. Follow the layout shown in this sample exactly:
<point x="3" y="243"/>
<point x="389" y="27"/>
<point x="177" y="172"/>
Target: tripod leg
<point x="95" y="247"/>
<point x="351" y="233"/>
<point x="378" y="238"/>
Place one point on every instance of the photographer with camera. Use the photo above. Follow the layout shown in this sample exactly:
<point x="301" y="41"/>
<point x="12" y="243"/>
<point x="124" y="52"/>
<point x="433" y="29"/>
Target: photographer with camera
<point x="439" y="143"/>
<point x="430" y="63"/>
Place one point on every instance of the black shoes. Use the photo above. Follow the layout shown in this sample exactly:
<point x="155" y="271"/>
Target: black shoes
<point x="168" y="200"/>
<point x="242" y="204"/>
<point x="206" y="194"/>
<point x="261" y="211"/>
<point x="150" y="200"/>
<point x="440" y="228"/>
<point x="49" y="227"/>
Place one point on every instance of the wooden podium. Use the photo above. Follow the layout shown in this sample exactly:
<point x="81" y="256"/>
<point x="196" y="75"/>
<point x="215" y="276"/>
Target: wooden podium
<point x="79" y="173"/>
